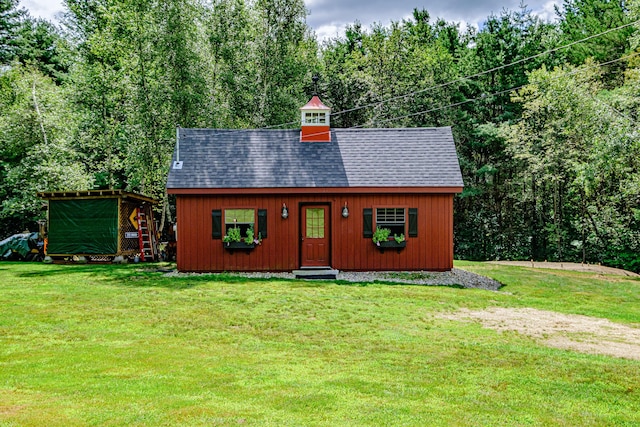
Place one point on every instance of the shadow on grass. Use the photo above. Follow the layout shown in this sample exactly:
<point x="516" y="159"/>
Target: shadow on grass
<point x="165" y="276"/>
<point x="46" y="273"/>
<point x="135" y="275"/>
<point x="127" y="275"/>
<point x="392" y="283"/>
<point x="150" y="275"/>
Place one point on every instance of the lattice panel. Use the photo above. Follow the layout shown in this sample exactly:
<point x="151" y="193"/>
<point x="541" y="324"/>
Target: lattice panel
<point x="127" y="246"/>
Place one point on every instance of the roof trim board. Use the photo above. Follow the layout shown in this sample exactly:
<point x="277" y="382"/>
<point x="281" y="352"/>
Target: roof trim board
<point x="317" y="190"/>
<point x="94" y="194"/>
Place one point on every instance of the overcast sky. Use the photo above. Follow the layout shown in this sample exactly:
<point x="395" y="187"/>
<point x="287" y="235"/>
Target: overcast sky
<point x="328" y="18"/>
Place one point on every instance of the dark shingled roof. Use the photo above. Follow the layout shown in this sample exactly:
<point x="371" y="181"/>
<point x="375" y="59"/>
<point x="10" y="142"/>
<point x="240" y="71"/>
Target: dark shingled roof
<point x="411" y="157"/>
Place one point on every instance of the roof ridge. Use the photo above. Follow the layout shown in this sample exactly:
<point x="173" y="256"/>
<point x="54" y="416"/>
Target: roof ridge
<point x="298" y="128"/>
<point x="237" y="130"/>
<point x="396" y="129"/>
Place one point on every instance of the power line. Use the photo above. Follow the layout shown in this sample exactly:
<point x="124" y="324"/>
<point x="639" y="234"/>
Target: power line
<point x="482" y="97"/>
<point x="457" y="104"/>
<point x="501" y="92"/>
<point x="461" y="79"/>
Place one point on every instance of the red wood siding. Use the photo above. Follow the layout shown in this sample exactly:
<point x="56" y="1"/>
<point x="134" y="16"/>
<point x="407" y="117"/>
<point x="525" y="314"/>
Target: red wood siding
<point x="315" y="134"/>
<point x="280" y="251"/>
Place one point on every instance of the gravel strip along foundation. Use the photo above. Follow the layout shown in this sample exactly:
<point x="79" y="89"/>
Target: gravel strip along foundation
<point x="454" y="277"/>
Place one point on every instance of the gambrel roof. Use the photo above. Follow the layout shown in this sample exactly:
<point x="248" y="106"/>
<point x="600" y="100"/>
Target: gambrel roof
<point x="354" y="158"/>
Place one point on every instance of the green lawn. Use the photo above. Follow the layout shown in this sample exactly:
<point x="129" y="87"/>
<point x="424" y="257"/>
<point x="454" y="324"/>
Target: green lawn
<point x="120" y="346"/>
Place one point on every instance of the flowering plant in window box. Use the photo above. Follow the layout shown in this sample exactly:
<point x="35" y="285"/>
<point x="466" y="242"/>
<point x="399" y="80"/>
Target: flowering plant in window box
<point x="381" y="235"/>
<point x="234" y="240"/>
<point x="382" y="241"/>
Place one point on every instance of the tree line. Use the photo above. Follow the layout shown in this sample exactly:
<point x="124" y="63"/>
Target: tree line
<point x="543" y="113"/>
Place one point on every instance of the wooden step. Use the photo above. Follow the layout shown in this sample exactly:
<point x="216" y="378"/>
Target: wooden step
<point x="325" y="273"/>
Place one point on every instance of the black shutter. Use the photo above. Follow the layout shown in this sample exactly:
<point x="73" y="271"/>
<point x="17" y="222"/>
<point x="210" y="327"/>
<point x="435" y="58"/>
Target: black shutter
<point x="413" y="222"/>
<point x="216" y="224"/>
<point x="367" y="221"/>
<point x="262" y="223"/>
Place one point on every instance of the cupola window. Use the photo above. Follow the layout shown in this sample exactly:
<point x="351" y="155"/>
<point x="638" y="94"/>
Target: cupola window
<point x="315" y="121"/>
<point x="315" y="118"/>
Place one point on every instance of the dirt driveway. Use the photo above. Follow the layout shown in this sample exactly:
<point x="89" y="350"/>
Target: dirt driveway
<point x="566" y="331"/>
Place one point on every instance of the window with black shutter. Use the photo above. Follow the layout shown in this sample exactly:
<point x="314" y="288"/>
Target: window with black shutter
<point x="413" y="222"/>
<point x="262" y="223"/>
<point x="238" y="218"/>
<point x="367" y="221"/>
<point x="216" y="224"/>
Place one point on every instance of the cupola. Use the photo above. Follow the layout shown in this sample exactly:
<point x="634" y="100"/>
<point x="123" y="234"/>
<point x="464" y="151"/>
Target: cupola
<point x="315" y="121"/>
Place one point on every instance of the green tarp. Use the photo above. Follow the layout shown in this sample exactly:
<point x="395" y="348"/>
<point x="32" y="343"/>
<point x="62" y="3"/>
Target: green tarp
<point x="83" y="226"/>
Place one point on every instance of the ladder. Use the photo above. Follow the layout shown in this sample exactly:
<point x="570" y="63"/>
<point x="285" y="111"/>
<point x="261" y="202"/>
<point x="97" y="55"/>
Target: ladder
<point x="145" y="236"/>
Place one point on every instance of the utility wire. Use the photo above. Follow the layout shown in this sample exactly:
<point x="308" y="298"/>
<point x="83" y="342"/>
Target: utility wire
<point x="459" y="80"/>
<point x="462" y="79"/>
<point x="484" y="96"/>
<point x="576" y="71"/>
<point x="457" y="104"/>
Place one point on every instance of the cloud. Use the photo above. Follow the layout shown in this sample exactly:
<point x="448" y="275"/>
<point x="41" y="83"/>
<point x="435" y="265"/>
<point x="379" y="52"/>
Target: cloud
<point x="329" y="18"/>
<point x="327" y="15"/>
<point x="46" y="9"/>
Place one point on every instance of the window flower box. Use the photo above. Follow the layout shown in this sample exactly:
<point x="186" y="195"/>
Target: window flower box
<point x="391" y="245"/>
<point x="382" y="241"/>
<point x="238" y="246"/>
<point x="233" y="240"/>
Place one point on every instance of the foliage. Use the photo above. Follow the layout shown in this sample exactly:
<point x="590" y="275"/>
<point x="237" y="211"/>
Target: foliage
<point x="250" y="236"/>
<point x="40" y="44"/>
<point x="399" y="239"/>
<point x="549" y="172"/>
<point x="144" y="68"/>
<point x="582" y="18"/>
<point x="379" y="68"/>
<point x="381" y="235"/>
<point x="9" y="24"/>
<point x="36" y="149"/>
<point x="576" y="153"/>
<point x="486" y="226"/>
<point x="233" y="235"/>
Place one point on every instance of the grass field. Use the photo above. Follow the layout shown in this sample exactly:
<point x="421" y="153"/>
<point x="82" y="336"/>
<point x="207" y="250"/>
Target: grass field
<point x="111" y="345"/>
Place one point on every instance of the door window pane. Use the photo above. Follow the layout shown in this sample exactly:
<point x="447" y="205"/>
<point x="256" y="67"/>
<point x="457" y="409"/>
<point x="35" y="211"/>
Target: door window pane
<point x="315" y="223"/>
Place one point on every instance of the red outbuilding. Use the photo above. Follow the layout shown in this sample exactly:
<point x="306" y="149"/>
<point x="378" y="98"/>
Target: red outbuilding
<point x="283" y="200"/>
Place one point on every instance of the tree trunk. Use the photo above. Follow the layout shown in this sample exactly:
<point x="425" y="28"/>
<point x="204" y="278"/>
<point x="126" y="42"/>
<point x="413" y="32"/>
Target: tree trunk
<point x="37" y="108"/>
